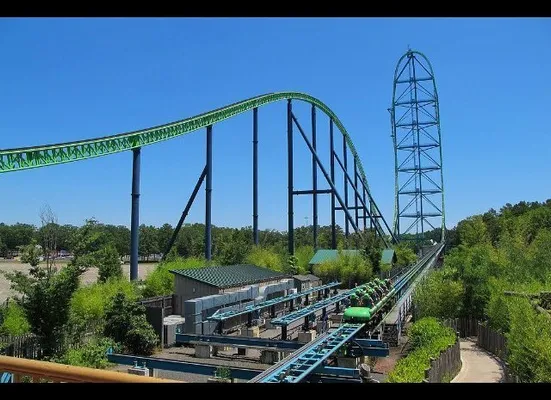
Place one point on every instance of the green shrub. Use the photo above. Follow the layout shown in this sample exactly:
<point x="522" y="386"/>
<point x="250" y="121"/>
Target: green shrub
<point x="109" y="264"/>
<point x="304" y="254"/>
<point x="404" y="254"/>
<point x="126" y="324"/>
<point x="438" y="296"/>
<point x="529" y="343"/>
<point x="267" y="258"/>
<point x="89" y="303"/>
<point x="348" y="269"/>
<point x="141" y="338"/>
<point x="14" y="321"/>
<point x="92" y="354"/>
<point x="428" y="337"/>
<point x="160" y="282"/>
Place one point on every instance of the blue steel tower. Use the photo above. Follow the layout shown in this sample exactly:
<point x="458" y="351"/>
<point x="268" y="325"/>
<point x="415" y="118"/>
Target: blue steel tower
<point x="415" y="120"/>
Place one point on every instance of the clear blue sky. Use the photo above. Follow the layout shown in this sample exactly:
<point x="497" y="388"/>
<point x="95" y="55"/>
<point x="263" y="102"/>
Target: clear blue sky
<point x="71" y="79"/>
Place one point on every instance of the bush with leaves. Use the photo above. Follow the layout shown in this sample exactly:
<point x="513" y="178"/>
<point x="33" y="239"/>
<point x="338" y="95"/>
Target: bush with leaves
<point x="265" y="257"/>
<point x="509" y="250"/>
<point x="231" y="248"/>
<point x="93" y="354"/>
<point x="13" y="321"/>
<point x="350" y="269"/>
<point x="428" y="338"/>
<point x="304" y="254"/>
<point x="141" y="338"/>
<point x="160" y="282"/>
<point x="404" y="254"/>
<point x="45" y="299"/>
<point x="126" y="324"/>
<point x="438" y="295"/>
<point x="109" y="264"/>
<point x="89" y="304"/>
<point x="529" y="343"/>
<point x="30" y="254"/>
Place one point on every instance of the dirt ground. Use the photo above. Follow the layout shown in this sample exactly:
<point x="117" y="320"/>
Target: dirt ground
<point x="88" y="277"/>
<point x="386" y="364"/>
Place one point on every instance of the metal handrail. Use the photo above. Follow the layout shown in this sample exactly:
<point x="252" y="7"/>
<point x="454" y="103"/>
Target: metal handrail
<point x="53" y="372"/>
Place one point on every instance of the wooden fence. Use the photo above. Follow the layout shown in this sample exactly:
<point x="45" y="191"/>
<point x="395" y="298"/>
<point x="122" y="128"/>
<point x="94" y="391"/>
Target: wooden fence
<point x="24" y="346"/>
<point x="28" y="345"/>
<point x="164" y="302"/>
<point x="465" y="326"/>
<point x="496" y="343"/>
<point x="446" y="366"/>
<point x="487" y="339"/>
<point x="492" y="341"/>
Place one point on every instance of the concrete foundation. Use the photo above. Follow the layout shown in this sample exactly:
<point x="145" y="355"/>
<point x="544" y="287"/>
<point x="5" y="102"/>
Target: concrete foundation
<point x="306" y="337"/>
<point x="216" y="349"/>
<point x="253" y="332"/>
<point x="270" y="357"/>
<point x="348" y="362"/>
<point x="139" y="371"/>
<point x="218" y="380"/>
<point x="336" y="318"/>
<point x="319" y="326"/>
<point x="268" y="324"/>
<point x="202" y="351"/>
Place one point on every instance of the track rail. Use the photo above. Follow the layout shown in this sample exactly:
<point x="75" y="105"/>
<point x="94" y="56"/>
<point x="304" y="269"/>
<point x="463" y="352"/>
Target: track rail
<point x="303" y="362"/>
<point x="47" y="155"/>
<point x="23" y="158"/>
<point x="222" y="316"/>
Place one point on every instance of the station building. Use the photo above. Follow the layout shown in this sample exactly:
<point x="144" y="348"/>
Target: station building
<point x="200" y="292"/>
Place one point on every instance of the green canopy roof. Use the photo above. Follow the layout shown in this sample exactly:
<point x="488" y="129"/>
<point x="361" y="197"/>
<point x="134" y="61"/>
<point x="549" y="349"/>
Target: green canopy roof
<point x="388" y="256"/>
<point x="329" y="255"/>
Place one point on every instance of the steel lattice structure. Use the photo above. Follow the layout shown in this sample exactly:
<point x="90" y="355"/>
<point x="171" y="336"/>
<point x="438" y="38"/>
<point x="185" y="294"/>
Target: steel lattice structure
<point x="415" y="120"/>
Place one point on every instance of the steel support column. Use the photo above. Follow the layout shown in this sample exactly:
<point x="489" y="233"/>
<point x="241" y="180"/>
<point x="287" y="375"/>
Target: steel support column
<point x="290" y="177"/>
<point x="356" y="194"/>
<point x="332" y="151"/>
<point x="348" y="179"/>
<point x="208" y="199"/>
<point x="185" y="212"/>
<point x="135" y="219"/>
<point x="314" y="180"/>
<point x="325" y="173"/>
<point x="255" y="176"/>
<point x="345" y="158"/>
<point x="365" y="210"/>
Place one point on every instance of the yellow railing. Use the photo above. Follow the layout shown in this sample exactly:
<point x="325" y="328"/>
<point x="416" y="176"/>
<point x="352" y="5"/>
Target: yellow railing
<point x="42" y="371"/>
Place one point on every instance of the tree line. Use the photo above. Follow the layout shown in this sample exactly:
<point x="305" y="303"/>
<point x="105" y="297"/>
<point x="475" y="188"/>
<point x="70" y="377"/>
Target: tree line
<point x="229" y="245"/>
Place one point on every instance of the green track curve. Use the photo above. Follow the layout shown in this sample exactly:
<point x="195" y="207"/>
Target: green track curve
<point x="12" y="160"/>
<point x="18" y="159"/>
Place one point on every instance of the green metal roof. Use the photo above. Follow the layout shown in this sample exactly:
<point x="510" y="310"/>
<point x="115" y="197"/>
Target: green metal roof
<point x="227" y="276"/>
<point x="330" y="255"/>
<point x="388" y="257"/>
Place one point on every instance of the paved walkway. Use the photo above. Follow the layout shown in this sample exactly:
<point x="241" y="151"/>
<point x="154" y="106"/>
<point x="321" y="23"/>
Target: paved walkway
<point x="478" y="365"/>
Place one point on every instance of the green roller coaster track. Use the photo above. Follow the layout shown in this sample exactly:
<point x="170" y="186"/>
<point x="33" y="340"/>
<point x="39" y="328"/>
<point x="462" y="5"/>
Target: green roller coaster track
<point x="12" y="160"/>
